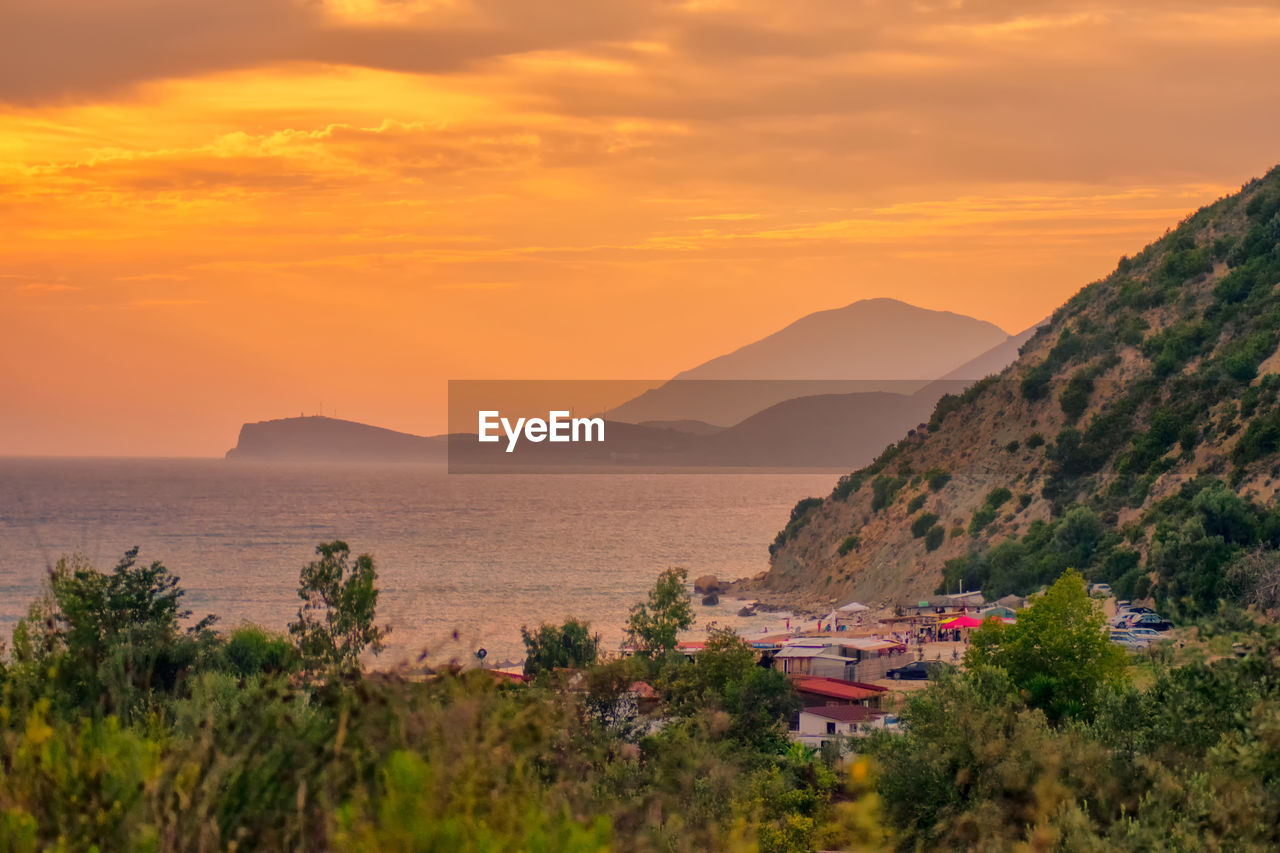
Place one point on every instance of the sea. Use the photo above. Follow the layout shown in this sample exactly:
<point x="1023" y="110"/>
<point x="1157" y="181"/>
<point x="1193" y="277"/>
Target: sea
<point x="463" y="561"/>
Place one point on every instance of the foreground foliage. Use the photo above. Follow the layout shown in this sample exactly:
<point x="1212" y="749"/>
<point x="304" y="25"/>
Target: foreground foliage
<point x="120" y="729"/>
<point x="1012" y="755"/>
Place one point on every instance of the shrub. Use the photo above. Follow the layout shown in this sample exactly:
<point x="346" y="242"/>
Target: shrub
<point x="998" y="496"/>
<point x="923" y="523"/>
<point x="883" y="488"/>
<point x="937" y="479"/>
<point x="1035" y="440"/>
<point x="800" y="515"/>
<point x="933" y="539"/>
<point x="251" y="650"/>
<point x="1035" y="385"/>
<point x="982" y="516"/>
<point x="849" y="543"/>
<point x="915" y="503"/>
<point x="1075" y="397"/>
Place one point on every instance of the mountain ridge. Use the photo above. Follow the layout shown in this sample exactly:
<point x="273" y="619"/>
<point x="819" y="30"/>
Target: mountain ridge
<point x="1134" y="438"/>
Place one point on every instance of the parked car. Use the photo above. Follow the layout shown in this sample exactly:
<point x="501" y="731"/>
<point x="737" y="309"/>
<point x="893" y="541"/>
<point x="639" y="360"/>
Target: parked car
<point x="1140" y="631"/>
<point x="1153" y="621"/>
<point x="918" y="670"/>
<point x="1139" y="610"/>
<point x="1130" y="641"/>
<point x="1099" y="589"/>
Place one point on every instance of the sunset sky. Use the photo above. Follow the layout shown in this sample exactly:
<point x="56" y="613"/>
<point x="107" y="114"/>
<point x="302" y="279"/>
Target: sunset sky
<point x="226" y="210"/>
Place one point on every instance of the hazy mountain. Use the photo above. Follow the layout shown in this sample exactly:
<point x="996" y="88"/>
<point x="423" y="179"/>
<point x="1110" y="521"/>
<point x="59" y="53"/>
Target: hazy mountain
<point x="870" y="345"/>
<point x="775" y="422"/>
<point x="875" y="339"/>
<point x="1135" y="438"/>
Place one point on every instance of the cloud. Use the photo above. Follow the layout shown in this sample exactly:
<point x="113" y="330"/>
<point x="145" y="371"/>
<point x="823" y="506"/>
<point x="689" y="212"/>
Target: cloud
<point x="167" y="303"/>
<point x="44" y="287"/>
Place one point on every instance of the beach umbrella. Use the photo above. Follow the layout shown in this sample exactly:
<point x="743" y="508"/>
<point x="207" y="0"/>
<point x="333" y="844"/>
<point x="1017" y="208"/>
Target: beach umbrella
<point x="854" y="607"/>
<point x="961" y="622"/>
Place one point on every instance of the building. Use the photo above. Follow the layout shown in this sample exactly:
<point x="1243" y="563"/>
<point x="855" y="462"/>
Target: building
<point x="821" y="691"/>
<point x="822" y="725"/>
<point x="845" y="658"/>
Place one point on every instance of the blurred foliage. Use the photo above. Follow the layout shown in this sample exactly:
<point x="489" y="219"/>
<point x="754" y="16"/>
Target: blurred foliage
<point x="251" y="740"/>
<point x="1187" y="764"/>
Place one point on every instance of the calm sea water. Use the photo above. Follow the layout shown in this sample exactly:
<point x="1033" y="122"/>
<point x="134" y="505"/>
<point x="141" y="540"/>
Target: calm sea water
<point x="476" y="555"/>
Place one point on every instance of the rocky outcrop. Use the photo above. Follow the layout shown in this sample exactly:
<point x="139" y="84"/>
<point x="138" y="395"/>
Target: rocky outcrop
<point x="706" y="584"/>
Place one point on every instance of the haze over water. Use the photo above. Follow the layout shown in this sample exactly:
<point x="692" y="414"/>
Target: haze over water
<point x="477" y="554"/>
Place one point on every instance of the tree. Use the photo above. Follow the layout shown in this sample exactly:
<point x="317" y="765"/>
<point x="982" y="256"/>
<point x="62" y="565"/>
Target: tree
<point x="553" y="647"/>
<point x="725" y="676"/>
<point x="1057" y="653"/>
<point x="336" y="621"/>
<point x="110" y="637"/>
<point x="653" y="626"/>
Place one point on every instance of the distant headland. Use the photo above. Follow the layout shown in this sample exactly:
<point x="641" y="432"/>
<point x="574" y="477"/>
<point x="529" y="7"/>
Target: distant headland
<point x="318" y="438"/>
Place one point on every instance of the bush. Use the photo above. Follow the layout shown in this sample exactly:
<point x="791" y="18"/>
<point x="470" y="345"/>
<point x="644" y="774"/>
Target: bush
<point x="1075" y="397"/>
<point x="883" y="489"/>
<point x="982" y="516"/>
<point x="937" y="479"/>
<point x="800" y="515"/>
<point x="849" y="543"/>
<point x="915" y="503"/>
<point x="251" y="650"/>
<point x="933" y="539"/>
<point x="998" y="496"/>
<point x="923" y="523"/>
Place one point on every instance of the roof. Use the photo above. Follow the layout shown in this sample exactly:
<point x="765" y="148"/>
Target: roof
<point x="869" y="644"/>
<point x="691" y="646"/>
<point x="803" y="648"/>
<point x="504" y="676"/>
<point x="837" y="688"/>
<point x="843" y="713"/>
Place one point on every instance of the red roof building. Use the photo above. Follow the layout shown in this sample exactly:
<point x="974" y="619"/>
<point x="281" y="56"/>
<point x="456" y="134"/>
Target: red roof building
<point x="816" y="690"/>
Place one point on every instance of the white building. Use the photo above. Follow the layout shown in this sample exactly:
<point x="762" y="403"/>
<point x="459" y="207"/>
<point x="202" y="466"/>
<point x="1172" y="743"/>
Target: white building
<point x="819" y="726"/>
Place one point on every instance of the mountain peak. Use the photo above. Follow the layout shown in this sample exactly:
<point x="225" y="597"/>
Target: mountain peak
<point x="877" y="339"/>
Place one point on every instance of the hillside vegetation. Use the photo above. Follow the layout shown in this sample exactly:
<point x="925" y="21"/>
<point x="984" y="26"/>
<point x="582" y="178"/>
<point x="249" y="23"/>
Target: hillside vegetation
<point x="1134" y="438"/>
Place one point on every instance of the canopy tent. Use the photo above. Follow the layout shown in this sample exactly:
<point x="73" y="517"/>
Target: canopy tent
<point x="854" y="607"/>
<point x="961" y="622"/>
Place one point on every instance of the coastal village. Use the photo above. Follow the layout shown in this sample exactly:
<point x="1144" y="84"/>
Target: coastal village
<point x="853" y="667"/>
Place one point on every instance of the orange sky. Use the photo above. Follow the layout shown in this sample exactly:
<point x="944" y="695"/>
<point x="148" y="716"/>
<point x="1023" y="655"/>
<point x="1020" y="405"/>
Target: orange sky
<point x="225" y="210"/>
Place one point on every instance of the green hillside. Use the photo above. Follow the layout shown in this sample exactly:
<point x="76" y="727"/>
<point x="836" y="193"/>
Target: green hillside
<point x="1135" y="438"/>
